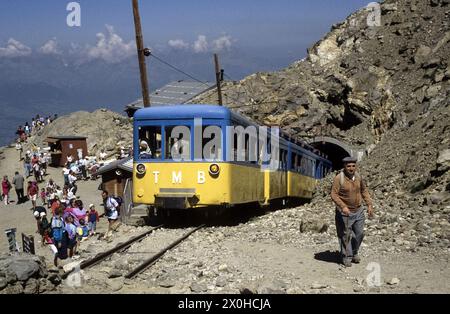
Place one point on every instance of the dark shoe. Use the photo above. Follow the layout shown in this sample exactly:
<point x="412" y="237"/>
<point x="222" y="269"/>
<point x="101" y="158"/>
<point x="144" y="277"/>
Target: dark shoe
<point x="347" y="262"/>
<point x="356" y="259"/>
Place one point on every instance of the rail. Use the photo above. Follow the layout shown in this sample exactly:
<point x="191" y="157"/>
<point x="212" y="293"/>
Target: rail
<point x="101" y="256"/>
<point x="158" y="255"/>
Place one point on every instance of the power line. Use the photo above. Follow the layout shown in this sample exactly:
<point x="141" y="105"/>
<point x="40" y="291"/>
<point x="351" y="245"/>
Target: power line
<point x="224" y="74"/>
<point x="177" y="69"/>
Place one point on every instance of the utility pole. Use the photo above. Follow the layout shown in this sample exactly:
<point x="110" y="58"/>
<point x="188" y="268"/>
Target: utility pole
<point x="141" y="54"/>
<point x="219" y="90"/>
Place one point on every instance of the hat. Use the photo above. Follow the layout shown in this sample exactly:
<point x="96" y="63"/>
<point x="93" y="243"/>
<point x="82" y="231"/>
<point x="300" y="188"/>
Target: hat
<point x="36" y="214"/>
<point x="144" y="143"/>
<point x="91" y="205"/>
<point x="349" y="159"/>
<point x="42" y="214"/>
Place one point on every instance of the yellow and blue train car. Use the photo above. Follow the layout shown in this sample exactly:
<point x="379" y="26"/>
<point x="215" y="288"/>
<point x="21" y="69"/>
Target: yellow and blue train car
<point x="171" y="170"/>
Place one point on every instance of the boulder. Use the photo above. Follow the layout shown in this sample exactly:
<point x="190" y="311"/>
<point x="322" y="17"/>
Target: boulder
<point x="31" y="286"/>
<point x="22" y="266"/>
<point x="421" y="54"/>
<point x="443" y="160"/>
<point x="198" y="287"/>
<point x="313" y="225"/>
<point x="3" y="282"/>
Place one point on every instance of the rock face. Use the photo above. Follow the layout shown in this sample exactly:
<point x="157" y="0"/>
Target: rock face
<point x="359" y="81"/>
<point x="105" y="130"/>
<point x="384" y="88"/>
<point x="25" y="273"/>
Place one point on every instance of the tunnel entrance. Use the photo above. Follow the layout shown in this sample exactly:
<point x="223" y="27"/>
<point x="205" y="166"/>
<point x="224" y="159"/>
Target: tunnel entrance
<point x="334" y="151"/>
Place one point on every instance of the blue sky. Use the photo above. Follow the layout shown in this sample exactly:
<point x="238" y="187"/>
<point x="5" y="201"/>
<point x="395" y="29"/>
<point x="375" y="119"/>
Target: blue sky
<point x="47" y="67"/>
<point x="248" y="23"/>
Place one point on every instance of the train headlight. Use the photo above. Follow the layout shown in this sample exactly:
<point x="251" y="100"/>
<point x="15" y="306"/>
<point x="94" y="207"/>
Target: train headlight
<point x="214" y="169"/>
<point x="140" y="168"/>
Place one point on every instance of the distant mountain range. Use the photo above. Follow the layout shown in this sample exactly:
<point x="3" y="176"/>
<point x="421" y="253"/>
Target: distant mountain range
<point x="42" y="84"/>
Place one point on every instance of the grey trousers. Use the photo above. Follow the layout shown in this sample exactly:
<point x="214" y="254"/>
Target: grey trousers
<point x="350" y="231"/>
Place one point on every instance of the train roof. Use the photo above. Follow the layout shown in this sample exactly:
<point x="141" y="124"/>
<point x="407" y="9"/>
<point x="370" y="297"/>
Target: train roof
<point x="183" y="112"/>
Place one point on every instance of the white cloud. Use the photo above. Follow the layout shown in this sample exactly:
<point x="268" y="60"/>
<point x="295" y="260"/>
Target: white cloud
<point x="50" y="48"/>
<point x="14" y="48"/>
<point x="111" y="47"/>
<point x="178" y="44"/>
<point x="201" y="44"/>
<point x="222" y="43"/>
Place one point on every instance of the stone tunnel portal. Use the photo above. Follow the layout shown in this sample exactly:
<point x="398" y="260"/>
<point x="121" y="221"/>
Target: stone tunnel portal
<point x="334" y="149"/>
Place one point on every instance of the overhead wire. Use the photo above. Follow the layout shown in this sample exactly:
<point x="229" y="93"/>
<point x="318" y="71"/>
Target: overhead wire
<point x="177" y="69"/>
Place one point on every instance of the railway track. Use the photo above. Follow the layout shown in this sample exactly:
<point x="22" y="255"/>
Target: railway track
<point x="151" y="260"/>
<point x="123" y="247"/>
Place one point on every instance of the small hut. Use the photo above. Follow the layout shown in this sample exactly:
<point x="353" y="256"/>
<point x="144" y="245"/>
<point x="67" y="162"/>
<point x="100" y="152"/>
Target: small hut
<point x="63" y="146"/>
<point x="117" y="179"/>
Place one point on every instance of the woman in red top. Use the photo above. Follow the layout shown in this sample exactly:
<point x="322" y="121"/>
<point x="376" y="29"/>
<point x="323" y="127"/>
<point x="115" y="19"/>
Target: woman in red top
<point x="32" y="192"/>
<point x="6" y="186"/>
<point x="55" y="205"/>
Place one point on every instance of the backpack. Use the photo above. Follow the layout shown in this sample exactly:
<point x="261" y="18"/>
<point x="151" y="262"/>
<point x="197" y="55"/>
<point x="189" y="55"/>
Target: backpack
<point x="119" y="200"/>
<point x="58" y="231"/>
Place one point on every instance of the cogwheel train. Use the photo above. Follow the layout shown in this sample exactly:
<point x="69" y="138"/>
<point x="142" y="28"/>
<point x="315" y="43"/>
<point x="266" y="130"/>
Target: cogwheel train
<point x="200" y="156"/>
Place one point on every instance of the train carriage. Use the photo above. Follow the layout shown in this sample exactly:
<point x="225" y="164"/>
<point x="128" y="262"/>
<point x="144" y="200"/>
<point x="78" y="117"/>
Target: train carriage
<point x="193" y="156"/>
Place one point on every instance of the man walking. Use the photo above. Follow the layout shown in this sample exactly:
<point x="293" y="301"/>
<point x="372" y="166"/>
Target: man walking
<point x="18" y="181"/>
<point x="347" y="193"/>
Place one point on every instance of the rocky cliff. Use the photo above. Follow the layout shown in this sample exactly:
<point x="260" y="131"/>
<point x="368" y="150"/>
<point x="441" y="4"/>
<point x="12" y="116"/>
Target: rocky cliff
<point x="384" y="88"/>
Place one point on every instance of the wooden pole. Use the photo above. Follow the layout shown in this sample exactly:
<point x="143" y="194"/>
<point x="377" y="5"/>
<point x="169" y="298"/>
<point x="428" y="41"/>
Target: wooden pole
<point x="141" y="56"/>
<point x="219" y="91"/>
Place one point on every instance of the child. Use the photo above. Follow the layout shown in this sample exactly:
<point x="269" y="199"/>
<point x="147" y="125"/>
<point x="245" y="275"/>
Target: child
<point x="71" y="235"/>
<point x="92" y="219"/>
<point x="43" y="196"/>
<point x="44" y="227"/>
<point x="59" y="236"/>
<point x="82" y="231"/>
<point x="50" y="197"/>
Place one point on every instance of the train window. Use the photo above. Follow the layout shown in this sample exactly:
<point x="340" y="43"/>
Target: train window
<point x="294" y="161"/>
<point x="251" y="148"/>
<point x="149" y="142"/>
<point x="280" y="158"/>
<point x="310" y="169"/>
<point x="283" y="159"/>
<point x="318" y="170"/>
<point x="313" y="168"/>
<point x="244" y="143"/>
<point x="212" y="142"/>
<point x="303" y="165"/>
<point x="177" y="143"/>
